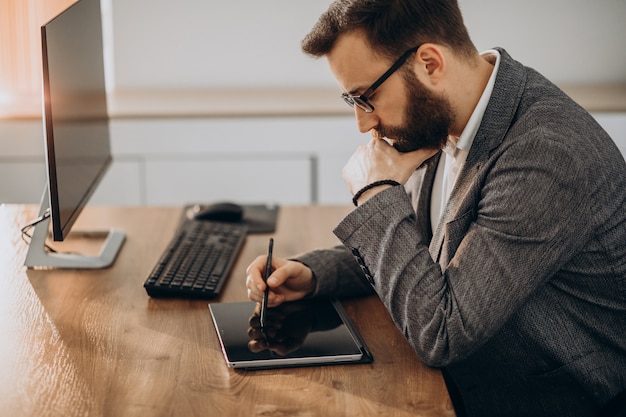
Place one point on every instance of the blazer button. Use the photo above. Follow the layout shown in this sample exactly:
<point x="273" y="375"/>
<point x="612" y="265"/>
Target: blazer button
<point x="364" y="267"/>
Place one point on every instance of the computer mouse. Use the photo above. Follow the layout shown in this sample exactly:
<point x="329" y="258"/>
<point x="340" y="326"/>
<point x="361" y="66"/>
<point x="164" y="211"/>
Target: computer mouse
<point x="222" y="212"/>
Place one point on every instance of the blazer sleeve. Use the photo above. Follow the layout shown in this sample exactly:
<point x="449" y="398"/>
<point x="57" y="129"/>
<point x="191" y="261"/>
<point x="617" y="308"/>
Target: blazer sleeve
<point x="337" y="273"/>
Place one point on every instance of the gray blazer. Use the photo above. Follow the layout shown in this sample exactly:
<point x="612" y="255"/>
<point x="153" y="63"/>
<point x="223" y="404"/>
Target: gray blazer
<point x="520" y="293"/>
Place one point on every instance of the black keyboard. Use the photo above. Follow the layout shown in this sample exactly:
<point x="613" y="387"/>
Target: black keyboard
<point x="197" y="261"/>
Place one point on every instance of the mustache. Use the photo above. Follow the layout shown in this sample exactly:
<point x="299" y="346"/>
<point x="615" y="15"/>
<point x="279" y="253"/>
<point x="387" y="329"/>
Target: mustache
<point x="381" y="132"/>
<point x="377" y="134"/>
<point x="398" y="142"/>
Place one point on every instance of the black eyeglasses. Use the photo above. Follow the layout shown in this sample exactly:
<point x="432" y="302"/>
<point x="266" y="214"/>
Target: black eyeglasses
<point x="361" y="100"/>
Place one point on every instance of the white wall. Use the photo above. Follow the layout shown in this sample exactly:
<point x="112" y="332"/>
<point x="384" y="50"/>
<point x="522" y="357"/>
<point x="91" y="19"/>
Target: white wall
<point x="216" y="43"/>
<point x="569" y="41"/>
<point x="209" y="43"/>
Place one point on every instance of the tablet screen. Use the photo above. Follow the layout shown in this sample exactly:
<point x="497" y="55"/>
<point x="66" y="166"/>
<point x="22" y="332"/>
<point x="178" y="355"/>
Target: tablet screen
<point x="306" y="332"/>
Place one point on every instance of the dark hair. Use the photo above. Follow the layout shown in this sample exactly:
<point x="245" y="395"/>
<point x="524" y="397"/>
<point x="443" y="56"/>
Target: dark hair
<point x="391" y="26"/>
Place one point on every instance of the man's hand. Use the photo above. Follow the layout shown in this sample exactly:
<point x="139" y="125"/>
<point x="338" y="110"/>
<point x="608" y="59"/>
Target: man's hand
<point x="289" y="281"/>
<point x="378" y="160"/>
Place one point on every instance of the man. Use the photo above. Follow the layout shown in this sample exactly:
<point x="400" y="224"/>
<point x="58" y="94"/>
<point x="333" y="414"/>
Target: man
<point x="490" y="219"/>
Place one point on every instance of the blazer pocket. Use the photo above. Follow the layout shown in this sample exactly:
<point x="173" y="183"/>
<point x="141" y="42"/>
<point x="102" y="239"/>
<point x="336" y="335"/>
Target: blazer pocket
<point x="454" y="232"/>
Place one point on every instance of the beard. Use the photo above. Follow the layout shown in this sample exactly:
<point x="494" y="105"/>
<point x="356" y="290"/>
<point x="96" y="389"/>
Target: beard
<point x="427" y="119"/>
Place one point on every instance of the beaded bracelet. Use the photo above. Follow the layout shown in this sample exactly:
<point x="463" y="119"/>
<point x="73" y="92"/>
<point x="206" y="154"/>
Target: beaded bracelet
<point x="358" y="194"/>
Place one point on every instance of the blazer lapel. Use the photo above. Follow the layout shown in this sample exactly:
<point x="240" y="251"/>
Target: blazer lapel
<point x="419" y="187"/>
<point x="438" y="246"/>
<point x="496" y="122"/>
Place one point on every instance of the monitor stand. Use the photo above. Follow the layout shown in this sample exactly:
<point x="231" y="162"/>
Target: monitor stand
<point x="38" y="256"/>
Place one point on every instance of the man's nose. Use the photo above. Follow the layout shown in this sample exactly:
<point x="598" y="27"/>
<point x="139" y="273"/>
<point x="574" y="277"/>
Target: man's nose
<point x="365" y="121"/>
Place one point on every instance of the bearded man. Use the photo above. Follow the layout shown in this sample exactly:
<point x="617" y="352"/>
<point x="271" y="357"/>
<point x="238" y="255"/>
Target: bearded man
<point x="490" y="214"/>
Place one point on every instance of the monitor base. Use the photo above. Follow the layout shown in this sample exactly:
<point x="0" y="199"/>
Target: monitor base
<point x="39" y="257"/>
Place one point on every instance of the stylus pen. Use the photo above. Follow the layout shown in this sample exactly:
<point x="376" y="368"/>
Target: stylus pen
<point x="268" y="271"/>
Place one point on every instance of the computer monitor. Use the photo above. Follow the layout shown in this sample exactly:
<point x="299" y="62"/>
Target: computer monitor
<point x="76" y="132"/>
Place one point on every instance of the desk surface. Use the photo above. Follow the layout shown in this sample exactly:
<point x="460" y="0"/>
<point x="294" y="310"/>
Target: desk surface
<point x="76" y="343"/>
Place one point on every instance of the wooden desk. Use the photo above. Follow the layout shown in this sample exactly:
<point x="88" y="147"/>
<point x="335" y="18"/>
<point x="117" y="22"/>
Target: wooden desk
<point x="76" y="343"/>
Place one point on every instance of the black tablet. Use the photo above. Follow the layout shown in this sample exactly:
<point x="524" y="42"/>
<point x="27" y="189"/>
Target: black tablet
<point x="302" y="333"/>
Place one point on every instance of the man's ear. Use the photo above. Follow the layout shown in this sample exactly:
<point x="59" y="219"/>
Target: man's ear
<point x="429" y="63"/>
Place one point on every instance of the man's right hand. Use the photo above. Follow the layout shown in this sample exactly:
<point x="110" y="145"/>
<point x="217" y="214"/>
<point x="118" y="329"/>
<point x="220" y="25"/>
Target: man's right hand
<point x="289" y="281"/>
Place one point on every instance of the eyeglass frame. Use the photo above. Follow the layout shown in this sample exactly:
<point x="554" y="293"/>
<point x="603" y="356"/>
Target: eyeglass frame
<point x="361" y="100"/>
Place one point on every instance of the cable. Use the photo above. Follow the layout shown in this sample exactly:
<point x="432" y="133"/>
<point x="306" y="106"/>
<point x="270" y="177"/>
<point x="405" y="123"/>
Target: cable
<point x="32" y="224"/>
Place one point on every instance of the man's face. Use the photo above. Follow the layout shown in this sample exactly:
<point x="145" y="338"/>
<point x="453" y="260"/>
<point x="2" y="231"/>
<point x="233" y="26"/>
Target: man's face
<point x="405" y="111"/>
<point x="427" y="119"/>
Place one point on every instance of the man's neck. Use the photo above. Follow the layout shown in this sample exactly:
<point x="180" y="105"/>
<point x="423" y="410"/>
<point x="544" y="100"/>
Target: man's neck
<point x="470" y="82"/>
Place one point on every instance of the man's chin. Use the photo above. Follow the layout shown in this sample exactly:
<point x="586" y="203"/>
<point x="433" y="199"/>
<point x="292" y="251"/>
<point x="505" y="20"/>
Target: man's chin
<point x="411" y="147"/>
<point x="405" y="146"/>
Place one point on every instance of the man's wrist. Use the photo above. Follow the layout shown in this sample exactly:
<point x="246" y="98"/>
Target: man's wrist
<point x="372" y="189"/>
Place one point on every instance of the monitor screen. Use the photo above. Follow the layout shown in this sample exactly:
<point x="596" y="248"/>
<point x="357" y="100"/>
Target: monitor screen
<point x="76" y="124"/>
